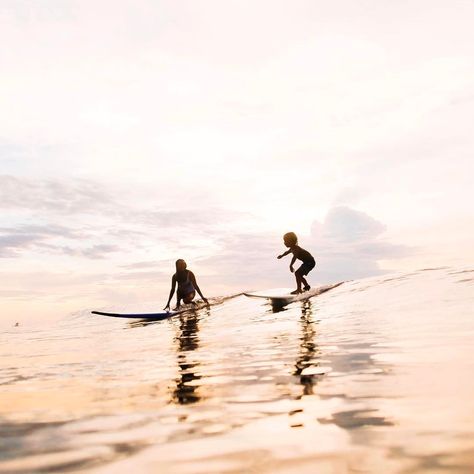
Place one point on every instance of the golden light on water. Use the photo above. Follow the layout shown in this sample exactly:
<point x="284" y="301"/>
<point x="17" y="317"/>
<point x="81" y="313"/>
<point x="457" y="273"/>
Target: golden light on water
<point x="335" y="382"/>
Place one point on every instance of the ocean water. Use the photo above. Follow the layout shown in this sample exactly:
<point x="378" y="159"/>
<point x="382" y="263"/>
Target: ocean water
<point x="374" y="376"/>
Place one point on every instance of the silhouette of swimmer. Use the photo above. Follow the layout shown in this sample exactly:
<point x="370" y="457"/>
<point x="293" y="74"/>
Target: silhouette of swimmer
<point x="291" y="241"/>
<point x="187" y="285"/>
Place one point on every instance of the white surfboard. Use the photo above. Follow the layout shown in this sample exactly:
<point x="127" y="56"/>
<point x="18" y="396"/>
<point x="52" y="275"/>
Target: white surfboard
<point x="284" y="296"/>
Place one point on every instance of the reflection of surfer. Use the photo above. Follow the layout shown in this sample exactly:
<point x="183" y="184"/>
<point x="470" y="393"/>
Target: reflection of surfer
<point x="308" y="349"/>
<point x="186" y="384"/>
<point x="187" y="285"/>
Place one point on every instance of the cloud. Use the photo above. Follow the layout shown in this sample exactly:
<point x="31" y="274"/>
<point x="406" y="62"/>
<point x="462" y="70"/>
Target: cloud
<point x="344" y="224"/>
<point x="193" y="218"/>
<point x="95" y="212"/>
<point x="10" y="245"/>
<point x="91" y="252"/>
<point x="141" y="265"/>
<point x="51" y="238"/>
<point x="64" y="197"/>
<point x="244" y="260"/>
<point x="85" y="197"/>
<point x="13" y="241"/>
<point x="39" y="230"/>
<point x="40" y="238"/>
<point x="348" y="244"/>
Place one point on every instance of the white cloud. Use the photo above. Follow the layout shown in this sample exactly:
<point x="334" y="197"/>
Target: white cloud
<point x="347" y="244"/>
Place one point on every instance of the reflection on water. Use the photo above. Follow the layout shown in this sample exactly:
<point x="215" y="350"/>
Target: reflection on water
<point x="374" y="376"/>
<point x="307" y="350"/>
<point x="351" y="419"/>
<point x="187" y="389"/>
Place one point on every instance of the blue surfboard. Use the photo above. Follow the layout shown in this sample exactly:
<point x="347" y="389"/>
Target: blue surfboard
<point x="160" y="315"/>
<point x="156" y="316"/>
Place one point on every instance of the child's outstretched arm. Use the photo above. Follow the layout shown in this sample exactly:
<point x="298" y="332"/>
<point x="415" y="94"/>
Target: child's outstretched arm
<point x="284" y="254"/>
<point x="293" y="260"/>
<point x="173" y="286"/>
<point x="194" y="282"/>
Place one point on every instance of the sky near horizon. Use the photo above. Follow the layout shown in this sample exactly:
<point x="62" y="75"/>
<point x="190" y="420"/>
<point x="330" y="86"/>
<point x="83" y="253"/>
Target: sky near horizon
<point x="133" y="133"/>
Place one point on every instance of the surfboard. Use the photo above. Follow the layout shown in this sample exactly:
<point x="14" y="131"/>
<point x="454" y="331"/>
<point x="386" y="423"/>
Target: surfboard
<point x="158" y="315"/>
<point x="284" y="296"/>
<point x="199" y="304"/>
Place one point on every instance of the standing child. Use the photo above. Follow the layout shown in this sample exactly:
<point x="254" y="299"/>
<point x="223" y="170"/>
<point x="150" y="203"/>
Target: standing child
<point x="291" y="241"/>
<point x="187" y="285"/>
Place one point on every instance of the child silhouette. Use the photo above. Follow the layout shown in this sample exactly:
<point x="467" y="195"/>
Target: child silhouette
<point x="187" y="285"/>
<point x="291" y="241"/>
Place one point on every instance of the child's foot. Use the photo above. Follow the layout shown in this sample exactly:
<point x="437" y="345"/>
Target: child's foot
<point x="306" y="288"/>
<point x="296" y="292"/>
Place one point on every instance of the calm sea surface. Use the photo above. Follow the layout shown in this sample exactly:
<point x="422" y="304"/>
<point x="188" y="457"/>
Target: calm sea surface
<point x="374" y="376"/>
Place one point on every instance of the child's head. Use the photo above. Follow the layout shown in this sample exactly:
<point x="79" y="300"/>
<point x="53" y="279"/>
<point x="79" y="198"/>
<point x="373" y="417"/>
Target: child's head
<point x="290" y="239"/>
<point x="180" y="265"/>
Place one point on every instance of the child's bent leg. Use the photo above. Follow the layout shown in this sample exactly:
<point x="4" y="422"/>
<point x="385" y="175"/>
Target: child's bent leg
<point x="298" y="283"/>
<point x="189" y="298"/>
<point x="308" y="268"/>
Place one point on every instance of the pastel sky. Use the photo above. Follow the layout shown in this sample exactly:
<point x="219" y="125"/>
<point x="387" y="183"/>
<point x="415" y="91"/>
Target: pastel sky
<point x="133" y="133"/>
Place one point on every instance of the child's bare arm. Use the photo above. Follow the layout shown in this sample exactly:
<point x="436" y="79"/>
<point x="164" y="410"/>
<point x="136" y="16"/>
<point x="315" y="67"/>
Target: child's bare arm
<point x="194" y="282"/>
<point x="284" y="254"/>
<point x="173" y="286"/>
<point x="293" y="260"/>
